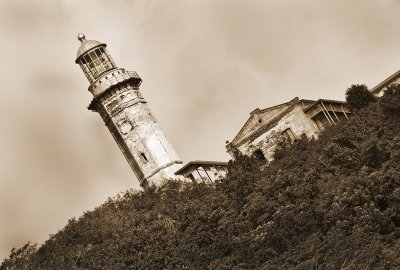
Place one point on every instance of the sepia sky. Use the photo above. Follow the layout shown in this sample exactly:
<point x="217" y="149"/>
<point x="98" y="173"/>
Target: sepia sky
<point x="205" y="66"/>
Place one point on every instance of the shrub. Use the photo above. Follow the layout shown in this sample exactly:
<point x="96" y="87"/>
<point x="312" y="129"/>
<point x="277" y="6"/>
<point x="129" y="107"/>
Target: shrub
<point x="326" y="204"/>
<point x="390" y="101"/>
<point x="358" y="96"/>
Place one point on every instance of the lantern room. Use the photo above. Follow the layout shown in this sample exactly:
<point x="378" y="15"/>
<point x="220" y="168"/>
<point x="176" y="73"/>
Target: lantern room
<point x="93" y="58"/>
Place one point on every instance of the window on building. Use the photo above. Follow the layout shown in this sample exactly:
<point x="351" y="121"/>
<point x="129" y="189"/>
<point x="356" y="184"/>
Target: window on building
<point x="288" y="135"/>
<point x="258" y="154"/>
<point x="95" y="63"/>
<point x="143" y="157"/>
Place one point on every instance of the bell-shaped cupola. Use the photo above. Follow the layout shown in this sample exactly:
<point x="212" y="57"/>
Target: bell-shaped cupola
<point x="93" y="58"/>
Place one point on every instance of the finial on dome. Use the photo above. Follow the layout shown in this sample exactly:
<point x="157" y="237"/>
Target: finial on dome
<point x="81" y="37"/>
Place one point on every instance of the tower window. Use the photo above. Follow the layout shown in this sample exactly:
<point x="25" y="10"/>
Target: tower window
<point x="95" y="63"/>
<point x="143" y="157"/>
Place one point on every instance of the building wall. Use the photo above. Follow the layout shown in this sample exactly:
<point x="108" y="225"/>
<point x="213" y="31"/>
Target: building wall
<point x="261" y="117"/>
<point x="296" y="120"/>
<point x="138" y="134"/>
<point x="205" y="173"/>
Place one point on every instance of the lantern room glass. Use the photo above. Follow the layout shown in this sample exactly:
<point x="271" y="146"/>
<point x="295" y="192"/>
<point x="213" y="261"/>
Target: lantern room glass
<point x="95" y="63"/>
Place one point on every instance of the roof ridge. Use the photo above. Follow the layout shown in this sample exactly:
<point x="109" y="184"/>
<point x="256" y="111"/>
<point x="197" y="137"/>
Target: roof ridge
<point x="384" y="83"/>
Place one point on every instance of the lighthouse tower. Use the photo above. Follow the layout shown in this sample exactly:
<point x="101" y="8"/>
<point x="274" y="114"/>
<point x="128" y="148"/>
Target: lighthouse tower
<point x="117" y="98"/>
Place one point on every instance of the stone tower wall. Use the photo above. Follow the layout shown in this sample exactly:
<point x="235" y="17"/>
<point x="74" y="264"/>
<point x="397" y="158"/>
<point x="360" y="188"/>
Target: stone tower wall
<point x="138" y="134"/>
<point x="116" y="97"/>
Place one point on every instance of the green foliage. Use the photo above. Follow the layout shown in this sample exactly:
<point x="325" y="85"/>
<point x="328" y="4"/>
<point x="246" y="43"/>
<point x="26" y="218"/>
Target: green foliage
<point x="358" y="96"/>
<point x="333" y="203"/>
<point x="391" y="101"/>
<point x="19" y="258"/>
<point x="286" y="148"/>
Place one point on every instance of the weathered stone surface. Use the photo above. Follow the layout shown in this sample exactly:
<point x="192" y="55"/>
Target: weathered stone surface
<point x="295" y="120"/>
<point x="258" y="118"/>
<point x="140" y="136"/>
<point x="116" y="97"/>
<point x="265" y="128"/>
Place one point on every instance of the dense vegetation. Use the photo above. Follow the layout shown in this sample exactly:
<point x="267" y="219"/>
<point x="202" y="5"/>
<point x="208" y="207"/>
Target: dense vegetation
<point x="333" y="203"/>
<point x="358" y="96"/>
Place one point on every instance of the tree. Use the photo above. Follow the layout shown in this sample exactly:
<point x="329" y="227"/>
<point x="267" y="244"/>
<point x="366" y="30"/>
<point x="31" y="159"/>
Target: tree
<point x="19" y="258"/>
<point x="331" y="203"/>
<point x="358" y="96"/>
<point x="390" y="101"/>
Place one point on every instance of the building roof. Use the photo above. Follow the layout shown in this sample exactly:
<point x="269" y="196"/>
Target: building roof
<point x="248" y="126"/>
<point x="385" y="83"/>
<point x="86" y="45"/>
<point x="260" y="120"/>
<point x="199" y="163"/>
<point x="324" y="100"/>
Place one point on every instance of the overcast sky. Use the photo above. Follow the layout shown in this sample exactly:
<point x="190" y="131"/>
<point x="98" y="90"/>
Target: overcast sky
<point x="205" y="66"/>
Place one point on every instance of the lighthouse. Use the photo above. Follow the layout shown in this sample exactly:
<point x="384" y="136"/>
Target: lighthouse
<point x="117" y="98"/>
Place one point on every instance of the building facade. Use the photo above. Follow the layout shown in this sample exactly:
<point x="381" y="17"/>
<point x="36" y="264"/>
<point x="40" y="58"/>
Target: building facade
<point x="117" y="98"/>
<point x="288" y="121"/>
<point x="204" y="171"/>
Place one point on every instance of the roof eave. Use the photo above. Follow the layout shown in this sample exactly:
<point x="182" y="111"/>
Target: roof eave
<point x="200" y="162"/>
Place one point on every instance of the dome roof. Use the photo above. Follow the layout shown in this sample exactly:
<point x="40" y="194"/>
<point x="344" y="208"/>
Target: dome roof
<point x="87" y="45"/>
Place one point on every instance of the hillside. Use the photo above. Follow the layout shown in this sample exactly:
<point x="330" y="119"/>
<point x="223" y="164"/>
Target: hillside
<point x="333" y="203"/>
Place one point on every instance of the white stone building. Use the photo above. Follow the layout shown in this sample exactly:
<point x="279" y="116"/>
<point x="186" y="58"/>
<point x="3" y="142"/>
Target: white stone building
<point x="204" y="171"/>
<point x="264" y="128"/>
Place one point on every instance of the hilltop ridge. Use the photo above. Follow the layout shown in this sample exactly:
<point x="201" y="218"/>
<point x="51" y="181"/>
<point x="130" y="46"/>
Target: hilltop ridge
<point x="331" y="203"/>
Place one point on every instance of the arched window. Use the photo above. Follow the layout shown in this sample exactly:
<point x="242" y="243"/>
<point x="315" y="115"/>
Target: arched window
<point x="288" y="135"/>
<point x="258" y="154"/>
